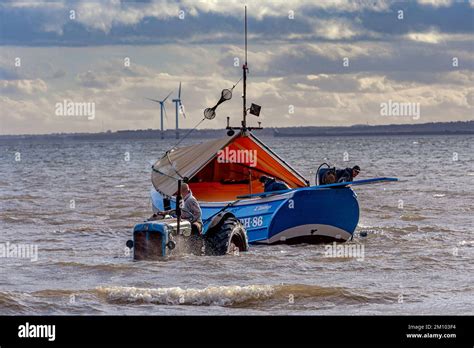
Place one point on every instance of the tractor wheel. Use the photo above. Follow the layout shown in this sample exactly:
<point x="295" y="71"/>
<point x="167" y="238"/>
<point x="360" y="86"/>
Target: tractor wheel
<point x="229" y="238"/>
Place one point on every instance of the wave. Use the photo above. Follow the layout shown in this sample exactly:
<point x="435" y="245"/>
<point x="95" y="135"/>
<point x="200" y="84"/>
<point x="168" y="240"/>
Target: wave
<point x="111" y="267"/>
<point x="211" y="295"/>
<point x="412" y="217"/>
<point x="11" y="304"/>
<point x="234" y="296"/>
<point x="249" y="296"/>
<point x="20" y="197"/>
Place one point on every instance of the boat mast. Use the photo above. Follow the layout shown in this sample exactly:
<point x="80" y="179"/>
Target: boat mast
<point x="244" y="69"/>
<point x="254" y="108"/>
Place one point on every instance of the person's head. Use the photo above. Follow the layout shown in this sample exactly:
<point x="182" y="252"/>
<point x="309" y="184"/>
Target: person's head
<point x="355" y="171"/>
<point x="184" y="189"/>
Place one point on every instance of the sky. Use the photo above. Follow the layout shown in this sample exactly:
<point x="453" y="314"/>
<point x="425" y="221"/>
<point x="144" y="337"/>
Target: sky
<point x="311" y="63"/>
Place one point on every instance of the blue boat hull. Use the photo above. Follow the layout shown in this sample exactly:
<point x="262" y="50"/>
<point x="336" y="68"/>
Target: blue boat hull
<point x="298" y="216"/>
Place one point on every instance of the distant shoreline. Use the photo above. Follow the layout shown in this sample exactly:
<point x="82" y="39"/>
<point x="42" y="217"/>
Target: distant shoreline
<point x="350" y="134"/>
<point x="439" y="128"/>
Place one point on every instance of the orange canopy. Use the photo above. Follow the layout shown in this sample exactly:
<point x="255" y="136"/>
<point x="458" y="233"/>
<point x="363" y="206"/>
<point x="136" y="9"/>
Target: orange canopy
<point x="222" y="169"/>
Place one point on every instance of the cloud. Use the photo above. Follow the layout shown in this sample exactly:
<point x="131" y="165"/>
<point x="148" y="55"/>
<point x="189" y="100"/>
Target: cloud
<point x="97" y="80"/>
<point x="104" y="15"/>
<point x="436" y="3"/>
<point x="35" y="4"/>
<point x="431" y="37"/>
<point x="336" y="29"/>
<point x="470" y="98"/>
<point x="338" y="51"/>
<point x="292" y="61"/>
<point x="318" y="99"/>
<point x="22" y="87"/>
<point x="159" y="21"/>
<point x="377" y="84"/>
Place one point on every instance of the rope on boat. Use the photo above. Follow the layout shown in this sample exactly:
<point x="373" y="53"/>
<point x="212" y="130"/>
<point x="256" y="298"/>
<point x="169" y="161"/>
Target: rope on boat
<point x="191" y="130"/>
<point x="161" y="173"/>
<point x="171" y="164"/>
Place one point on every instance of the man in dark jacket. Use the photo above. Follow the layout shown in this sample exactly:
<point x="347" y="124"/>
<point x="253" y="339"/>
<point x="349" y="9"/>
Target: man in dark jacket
<point x="348" y="174"/>
<point x="271" y="184"/>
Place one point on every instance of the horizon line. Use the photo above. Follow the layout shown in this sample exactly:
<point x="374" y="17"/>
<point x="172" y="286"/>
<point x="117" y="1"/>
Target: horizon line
<point x="109" y="131"/>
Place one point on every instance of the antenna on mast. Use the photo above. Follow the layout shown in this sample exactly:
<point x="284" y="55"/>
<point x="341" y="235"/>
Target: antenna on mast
<point x="245" y="34"/>
<point x="254" y="109"/>
<point x="244" y="70"/>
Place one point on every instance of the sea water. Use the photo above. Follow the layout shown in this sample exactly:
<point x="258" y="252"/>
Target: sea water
<point x="76" y="203"/>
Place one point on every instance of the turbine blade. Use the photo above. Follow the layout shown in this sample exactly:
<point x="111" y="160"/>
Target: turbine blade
<point x="166" y="115"/>
<point x="154" y="100"/>
<point x="181" y="109"/>
<point x="167" y="97"/>
<point x="179" y="93"/>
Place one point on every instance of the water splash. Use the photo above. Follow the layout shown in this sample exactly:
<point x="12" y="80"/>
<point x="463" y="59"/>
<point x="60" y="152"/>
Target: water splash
<point x="211" y="295"/>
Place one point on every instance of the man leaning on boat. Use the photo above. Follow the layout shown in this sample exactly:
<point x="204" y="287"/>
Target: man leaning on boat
<point x="347" y="174"/>
<point x="191" y="210"/>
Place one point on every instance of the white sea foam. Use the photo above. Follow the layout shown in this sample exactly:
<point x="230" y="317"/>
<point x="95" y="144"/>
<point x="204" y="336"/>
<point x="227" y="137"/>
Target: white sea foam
<point x="211" y="295"/>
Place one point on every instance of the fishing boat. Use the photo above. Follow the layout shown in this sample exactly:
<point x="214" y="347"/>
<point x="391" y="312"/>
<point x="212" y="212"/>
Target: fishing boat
<point x="224" y="176"/>
<point x="300" y="214"/>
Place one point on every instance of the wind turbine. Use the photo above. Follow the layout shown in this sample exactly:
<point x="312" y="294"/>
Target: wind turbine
<point x="179" y="107"/>
<point x="162" y="108"/>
